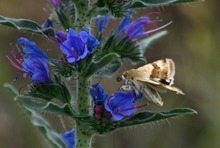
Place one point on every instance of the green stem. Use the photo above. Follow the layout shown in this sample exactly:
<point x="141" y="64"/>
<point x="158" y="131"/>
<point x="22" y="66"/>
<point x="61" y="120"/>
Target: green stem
<point x="83" y="134"/>
<point x="83" y="98"/>
<point x="83" y="17"/>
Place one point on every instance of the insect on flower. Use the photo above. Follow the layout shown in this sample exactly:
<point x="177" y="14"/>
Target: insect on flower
<point x="150" y="79"/>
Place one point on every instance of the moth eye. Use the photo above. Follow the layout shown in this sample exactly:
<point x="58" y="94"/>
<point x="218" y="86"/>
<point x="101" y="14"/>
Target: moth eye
<point x="119" y="78"/>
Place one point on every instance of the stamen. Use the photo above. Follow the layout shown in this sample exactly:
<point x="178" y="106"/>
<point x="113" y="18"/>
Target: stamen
<point x="159" y="28"/>
<point x="152" y="13"/>
<point x="14" y="65"/>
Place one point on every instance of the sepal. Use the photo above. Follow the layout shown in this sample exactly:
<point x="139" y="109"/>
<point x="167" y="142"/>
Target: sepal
<point x="64" y="69"/>
<point x="48" y="91"/>
<point x="122" y="46"/>
<point x="113" y="7"/>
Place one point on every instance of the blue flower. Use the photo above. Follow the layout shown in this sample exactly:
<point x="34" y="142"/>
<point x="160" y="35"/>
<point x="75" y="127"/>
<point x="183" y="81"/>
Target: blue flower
<point x="142" y="26"/>
<point x="37" y="69"/>
<point x="33" y="66"/>
<point x="30" y="49"/>
<point x="121" y="105"/>
<point x="98" y="94"/>
<point x="48" y="23"/>
<point x="92" y="42"/>
<point x="102" y="22"/>
<point x="76" y="46"/>
<point x="61" y="37"/>
<point x="125" y="22"/>
<point x="69" y="138"/>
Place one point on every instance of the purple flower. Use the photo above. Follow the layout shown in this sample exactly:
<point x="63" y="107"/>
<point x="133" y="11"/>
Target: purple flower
<point x="125" y="22"/>
<point x="102" y="22"/>
<point x="76" y="46"/>
<point x="49" y="22"/>
<point x="55" y="3"/>
<point x="61" y="37"/>
<point x="69" y="138"/>
<point x="30" y="49"/>
<point x="142" y="26"/>
<point x="98" y="94"/>
<point x="121" y="105"/>
<point x="35" y="67"/>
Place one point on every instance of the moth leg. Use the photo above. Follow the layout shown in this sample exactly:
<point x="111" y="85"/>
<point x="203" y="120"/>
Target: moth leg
<point x="152" y="95"/>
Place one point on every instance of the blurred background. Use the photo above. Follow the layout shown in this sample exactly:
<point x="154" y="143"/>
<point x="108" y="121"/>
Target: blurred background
<point x="193" y="43"/>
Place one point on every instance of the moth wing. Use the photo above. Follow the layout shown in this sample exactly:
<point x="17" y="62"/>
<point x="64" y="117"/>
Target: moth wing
<point x="159" y="71"/>
<point x="174" y="89"/>
<point x="149" y="92"/>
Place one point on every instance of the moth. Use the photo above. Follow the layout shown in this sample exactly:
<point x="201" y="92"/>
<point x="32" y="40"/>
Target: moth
<point x="151" y="79"/>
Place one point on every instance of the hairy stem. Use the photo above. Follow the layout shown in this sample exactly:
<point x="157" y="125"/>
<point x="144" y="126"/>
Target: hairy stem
<point x="83" y="134"/>
<point x="83" y="17"/>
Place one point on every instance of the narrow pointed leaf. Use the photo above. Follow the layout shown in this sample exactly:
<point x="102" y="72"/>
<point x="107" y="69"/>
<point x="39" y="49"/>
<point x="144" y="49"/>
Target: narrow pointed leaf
<point x="108" y="70"/>
<point x="156" y="3"/>
<point x="52" y="137"/>
<point x="146" y="117"/>
<point x="95" y="66"/>
<point x="63" y="19"/>
<point x="51" y="107"/>
<point x="146" y="42"/>
<point x="12" y="89"/>
<point x="25" y="25"/>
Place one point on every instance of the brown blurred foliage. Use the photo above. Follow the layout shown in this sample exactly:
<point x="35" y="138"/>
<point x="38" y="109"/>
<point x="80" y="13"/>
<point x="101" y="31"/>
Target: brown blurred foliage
<point x="193" y="43"/>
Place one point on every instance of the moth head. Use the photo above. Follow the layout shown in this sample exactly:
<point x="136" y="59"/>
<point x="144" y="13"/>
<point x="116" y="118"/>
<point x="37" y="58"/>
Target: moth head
<point x="125" y="75"/>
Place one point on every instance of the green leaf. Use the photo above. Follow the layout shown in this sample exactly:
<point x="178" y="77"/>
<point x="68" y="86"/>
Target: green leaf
<point x="63" y="19"/>
<point x="25" y="25"/>
<point x="108" y="70"/>
<point x="53" y="138"/>
<point x="95" y="66"/>
<point x="51" y="107"/>
<point x="146" y="117"/>
<point x="156" y="3"/>
<point x="12" y="89"/>
<point x="146" y="42"/>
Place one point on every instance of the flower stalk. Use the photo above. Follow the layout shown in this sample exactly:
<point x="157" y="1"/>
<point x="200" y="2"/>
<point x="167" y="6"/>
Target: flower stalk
<point x="82" y="16"/>
<point x="83" y="135"/>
